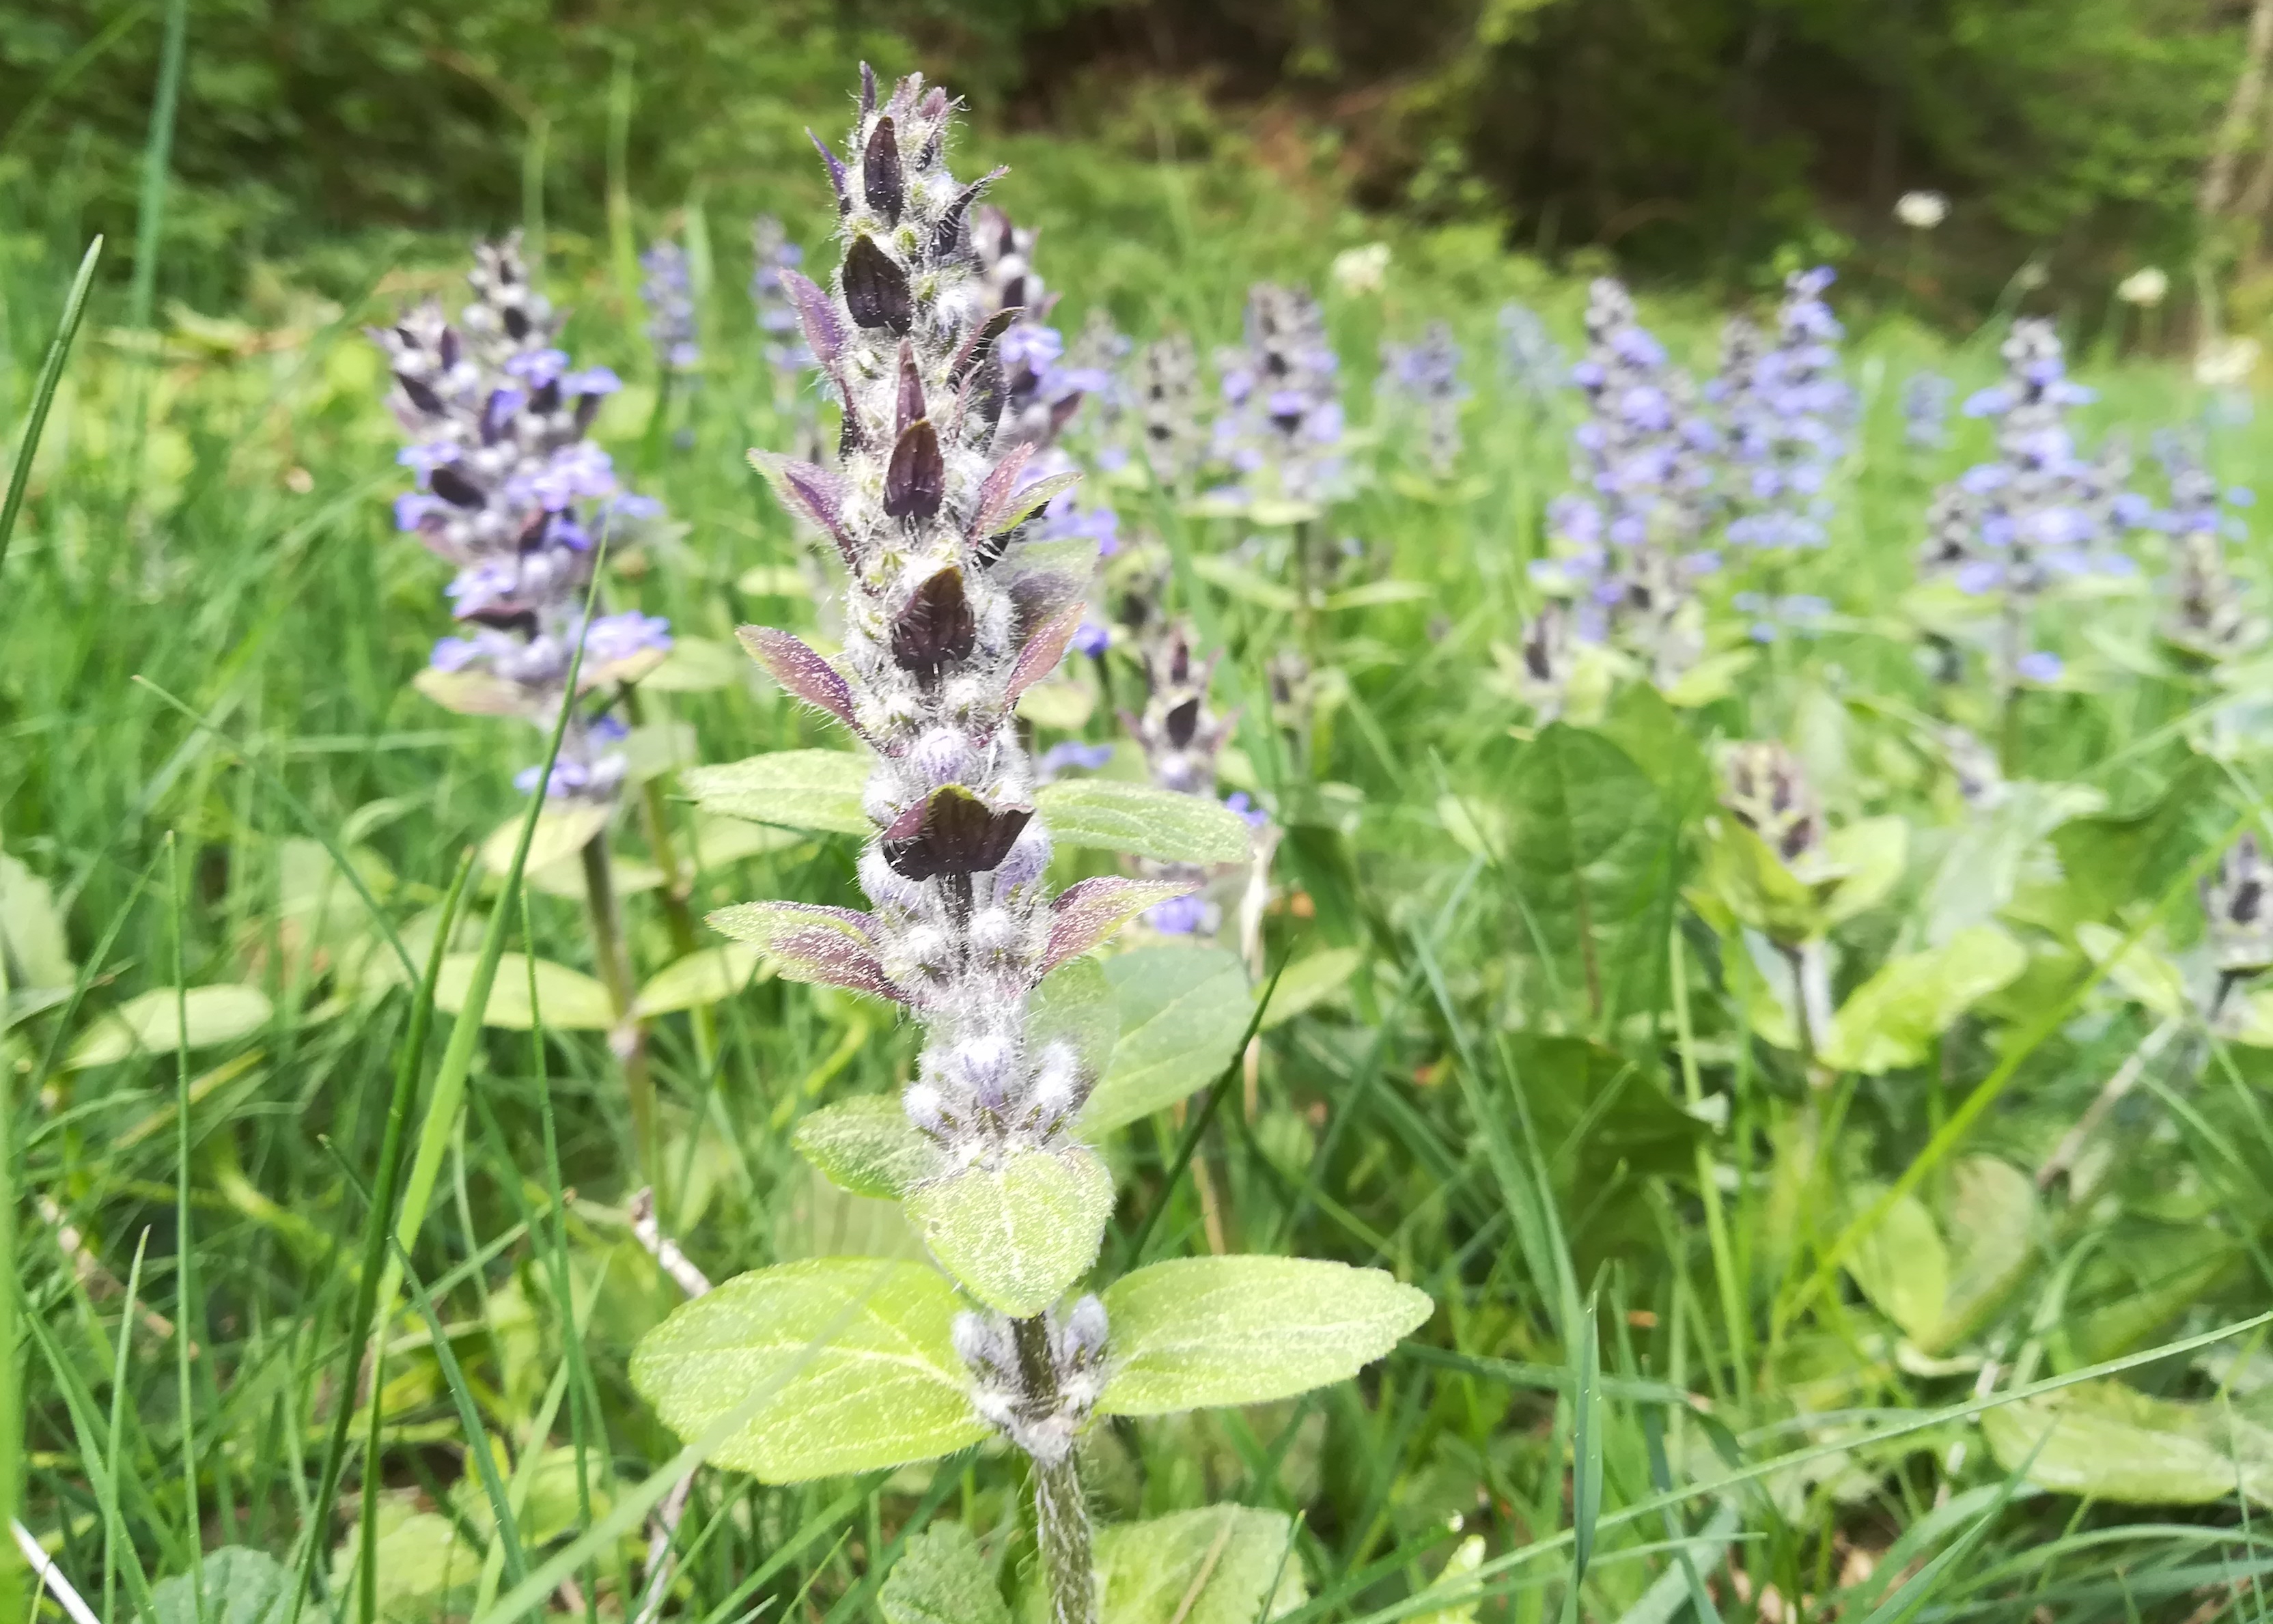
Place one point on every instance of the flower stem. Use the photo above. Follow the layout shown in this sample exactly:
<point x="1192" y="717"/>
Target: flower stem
<point x="629" y="1038"/>
<point x="1060" y="1513"/>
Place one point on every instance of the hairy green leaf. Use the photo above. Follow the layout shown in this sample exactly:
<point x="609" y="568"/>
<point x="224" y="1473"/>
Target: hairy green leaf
<point x="1017" y="1235"/>
<point x="851" y="1362"/>
<point x="1148" y="822"/>
<point x="1218" y="1565"/>
<point x="868" y="1146"/>
<point x="793" y="789"/>
<point x="1195" y="1332"/>
<point x="567" y="1000"/>
<point x="1183" y="1011"/>
<point x="941" y="1578"/>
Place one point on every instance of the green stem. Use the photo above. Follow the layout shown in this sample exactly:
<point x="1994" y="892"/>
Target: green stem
<point x="1060" y="1513"/>
<point x="15" y="1596"/>
<point x="629" y="1039"/>
<point x="44" y="393"/>
<point x="1708" y="1186"/>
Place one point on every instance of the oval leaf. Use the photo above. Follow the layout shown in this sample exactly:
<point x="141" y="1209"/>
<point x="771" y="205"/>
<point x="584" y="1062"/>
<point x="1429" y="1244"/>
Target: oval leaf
<point x="1219" y="1564"/>
<point x="709" y="976"/>
<point x="1892" y="1018"/>
<point x="1159" y="824"/>
<point x="1309" y="982"/>
<point x="2113" y="1442"/>
<point x="842" y="1364"/>
<point x="561" y="832"/>
<point x="240" y="1586"/>
<point x="1245" y="1331"/>
<point x="1183" y="1011"/>
<point x="825" y="947"/>
<point x="941" y="1579"/>
<point x="695" y="665"/>
<point x="868" y="1146"/>
<point x="154" y="1022"/>
<point x="1018" y="1235"/>
<point x="1088" y="911"/>
<point x="567" y="1000"/>
<point x="794" y="789"/>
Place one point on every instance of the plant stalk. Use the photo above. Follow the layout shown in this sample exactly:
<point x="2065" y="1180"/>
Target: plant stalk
<point x="1060" y="1513"/>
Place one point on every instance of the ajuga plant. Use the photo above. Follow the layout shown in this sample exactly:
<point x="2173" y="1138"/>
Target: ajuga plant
<point x="668" y="292"/>
<point x="1182" y="737"/>
<point x="953" y="607"/>
<point x="1423" y="382"/>
<point x="1280" y="432"/>
<point x="1624" y="540"/>
<point x="1926" y="399"/>
<point x="2207" y="618"/>
<point x="787" y="362"/>
<point x="2010" y="531"/>
<point x="512" y="494"/>
<point x="1784" y="410"/>
<point x="1166" y="388"/>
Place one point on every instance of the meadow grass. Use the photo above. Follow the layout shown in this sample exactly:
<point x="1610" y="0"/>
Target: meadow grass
<point x="1680" y="1336"/>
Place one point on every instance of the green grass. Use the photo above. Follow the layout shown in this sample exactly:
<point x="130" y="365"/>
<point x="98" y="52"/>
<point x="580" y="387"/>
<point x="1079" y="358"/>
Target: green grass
<point x="1490" y="1112"/>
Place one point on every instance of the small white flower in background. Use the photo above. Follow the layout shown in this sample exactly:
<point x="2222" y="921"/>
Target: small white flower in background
<point x="2032" y="276"/>
<point x="2227" y="363"/>
<point x="1361" y="270"/>
<point x="1921" y="211"/>
<point x="2146" y="288"/>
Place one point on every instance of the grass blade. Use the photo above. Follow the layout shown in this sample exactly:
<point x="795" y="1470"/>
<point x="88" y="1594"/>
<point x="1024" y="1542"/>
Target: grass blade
<point x="44" y="393"/>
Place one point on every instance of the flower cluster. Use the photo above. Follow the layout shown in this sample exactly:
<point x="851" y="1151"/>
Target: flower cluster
<point x="1281" y="432"/>
<point x="2209" y="616"/>
<point x="952" y="611"/>
<point x="1765" y="789"/>
<point x="1181" y="737"/>
<point x="1039" y="1389"/>
<point x="2041" y="514"/>
<point x="1425" y="379"/>
<point x="669" y="295"/>
<point x="772" y="253"/>
<point x="1786" y="409"/>
<point x="1166" y="391"/>
<point x="2238" y="902"/>
<point x="512" y="494"/>
<point x="1624" y="539"/>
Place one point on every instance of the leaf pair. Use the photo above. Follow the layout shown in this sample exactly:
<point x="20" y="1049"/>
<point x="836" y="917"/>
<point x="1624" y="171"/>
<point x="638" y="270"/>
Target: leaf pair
<point x="854" y="1366"/>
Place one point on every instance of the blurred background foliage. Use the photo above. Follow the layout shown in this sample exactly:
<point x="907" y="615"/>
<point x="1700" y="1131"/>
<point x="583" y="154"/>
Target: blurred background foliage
<point x="1706" y="135"/>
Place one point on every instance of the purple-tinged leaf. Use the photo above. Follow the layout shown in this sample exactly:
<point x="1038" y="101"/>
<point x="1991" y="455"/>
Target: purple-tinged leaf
<point x="994" y="491"/>
<point x="912" y="391"/>
<point x="801" y="670"/>
<point x="980" y="343"/>
<point x="816" y="313"/>
<point x="1090" y="911"/>
<point x="947" y="235"/>
<point x="811" y="493"/>
<point x="952" y="833"/>
<point x="876" y="290"/>
<point x="937" y="629"/>
<point x="868" y="90"/>
<point x="882" y="183"/>
<point x="1043" y="650"/>
<point x="823" y="947"/>
<point x="915" y="480"/>
<point x="837" y="178"/>
<point x="1025" y="504"/>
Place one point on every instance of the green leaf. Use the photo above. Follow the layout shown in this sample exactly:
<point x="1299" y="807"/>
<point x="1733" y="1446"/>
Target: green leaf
<point x="1901" y="1265"/>
<point x="868" y="1146"/>
<point x="148" y="1024"/>
<point x="1017" y="1235"/>
<point x="1587" y="1446"/>
<point x="1219" y="1564"/>
<point x="1991" y="1219"/>
<point x="32" y="931"/>
<point x="706" y="975"/>
<point x="1160" y="824"/>
<point x="2113" y="1442"/>
<point x="242" y="1586"/>
<point x="696" y="665"/>
<point x="1076" y="1005"/>
<point x="851" y="1364"/>
<point x="1892" y="1018"/>
<point x="2149" y="979"/>
<point x="1457" y="1578"/>
<point x="941" y="1578"/>
<point x="1871" y="854"/>
<point x="1375" y="594"/>
<point x="425" y="1570"/>
<point x="561" y="832"/>
<point x="1194" y="1332"/>
<point x="1309" y="982"/>
<point x="567" y="1000"/>
<point x="1244" y="584"/>
<point x="1981" y="868"/>
<point x="1595" y="853"/>
<point x="1183" y="1011"/>
<point x="793" y="788"/>
<point x="1759" y="889"/>
<point x="1597" y="1112"/>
